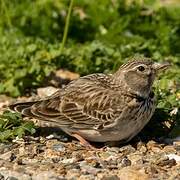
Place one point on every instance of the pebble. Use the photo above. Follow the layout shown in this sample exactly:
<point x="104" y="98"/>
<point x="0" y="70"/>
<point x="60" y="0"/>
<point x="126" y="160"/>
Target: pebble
<point x="73" y="174"/>
<point x="86" y="177"/>
<point x="141" y="147"/>
<point x="129" y="173"/>
<point x="6" y="156"/>
<point x="169" y="149"/>
<point x="156" y="150"/>
<point x="5" y="147"/>
<point x="47" y="91"/>
<point x="59" y="137"/>
<point x="168" y="162"/>
<point x="53" y="159"/>
<point x="1" y="177"/>
<point x="47" y="175"/>
<point x="177" y="143"/>
<point x="67" y="74"/>
<point x="125" y="162"/>
<point x="51" y="136"/>
<point x="68" y="161"/>
<point x="151" y="170"/>
<point x="108" y="156"/>
<point x="14" y="175"/>
<point x="127" y="149"/>
<point x="174" y="156"/>
<point x="12" y="178"/>
<point x="113" y="149"/>
<point x="12" y="157"/>
<point x="110" y="177"/>
<point x="90" y="170"/>
<point x="58" y="147"/>
<point x="151" y="144"/>
<point x="136" y="158"/>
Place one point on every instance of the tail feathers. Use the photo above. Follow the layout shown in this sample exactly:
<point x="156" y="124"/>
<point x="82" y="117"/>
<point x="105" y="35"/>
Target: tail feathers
<point x="27" y="112"/>
<point x="38" y="111"/>
<point x="26" y="109"/>
<point x="32" y="109"/>
<point x="20" y="107"/>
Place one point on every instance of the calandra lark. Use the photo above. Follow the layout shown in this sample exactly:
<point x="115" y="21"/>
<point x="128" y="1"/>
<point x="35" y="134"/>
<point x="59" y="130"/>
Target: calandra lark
<point x="100" y="107"/>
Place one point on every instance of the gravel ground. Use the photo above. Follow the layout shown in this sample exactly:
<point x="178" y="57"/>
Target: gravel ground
<point x="63" y="158"/>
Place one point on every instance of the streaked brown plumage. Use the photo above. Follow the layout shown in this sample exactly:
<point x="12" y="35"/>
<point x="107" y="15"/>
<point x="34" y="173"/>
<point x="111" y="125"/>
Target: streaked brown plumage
<point x="101" y="107"/>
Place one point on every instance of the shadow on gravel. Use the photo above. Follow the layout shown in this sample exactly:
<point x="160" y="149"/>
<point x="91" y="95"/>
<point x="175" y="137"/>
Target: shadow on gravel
<point x="160" y="125"/>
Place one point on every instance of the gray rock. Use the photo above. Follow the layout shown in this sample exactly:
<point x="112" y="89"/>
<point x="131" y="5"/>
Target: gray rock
<point x="125" y="162"/>
<point x="59" y="147"/>
<point x="110" y="177"/>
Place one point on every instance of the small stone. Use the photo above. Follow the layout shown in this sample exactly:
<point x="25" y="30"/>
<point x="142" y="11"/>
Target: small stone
<point x="157" y="158"/>
<point x="154" y="147"/>
<point x="86" y="169"/>
<point x="56" y="159"/>
<point x="151" y="170"/>
<point x="110" y="177"/>
<point x="2" y="177"/>
<point x="169" y="149"/>
<point x="104" y="155"/>
<point x="114" y="149"/>
<point x="141" y="147"/>
<point x="86" y="177"/>
<point x="128" y="173"/>
<point x="125" y="162"/>
<point x="64" y="74"/>
<point x="51" y="136"/>
<point x="6" y="156"/>
<point x="136" y="158"/>
<point x="176" y="143"/>
<point x="127" y="149"/>
<point x="22" y="151"/>
<point x="73" y="174"/>
<point x="47" y="175"/>
<point x="169" y="163"/>
<point x="5" y="148"/>
<point x="20" y="161"/>
<point x="12" y="157"/>
<point x="174" y="156"/>
<point x="68" y="161"/>
<point x="59" y="147"/>
<point x="62" y="138"/>
<point x="12" y="178"/>
<point x="151" y="144"/>
<point x="47" y="91"/>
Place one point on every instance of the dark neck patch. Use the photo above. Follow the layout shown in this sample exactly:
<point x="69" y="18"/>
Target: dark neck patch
<point x="140" y="98"/>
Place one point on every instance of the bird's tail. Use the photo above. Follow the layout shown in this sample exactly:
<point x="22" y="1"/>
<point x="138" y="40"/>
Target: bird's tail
<point x="23" y="108"/>
<point x="27" y="110"/>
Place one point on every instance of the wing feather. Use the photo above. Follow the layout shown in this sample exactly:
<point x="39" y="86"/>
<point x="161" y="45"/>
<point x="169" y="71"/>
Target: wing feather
<point x="82" y="105"/>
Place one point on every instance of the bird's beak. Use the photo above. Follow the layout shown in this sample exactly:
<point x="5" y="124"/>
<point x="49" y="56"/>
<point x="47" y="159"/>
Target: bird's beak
<point x="158" y="67"/>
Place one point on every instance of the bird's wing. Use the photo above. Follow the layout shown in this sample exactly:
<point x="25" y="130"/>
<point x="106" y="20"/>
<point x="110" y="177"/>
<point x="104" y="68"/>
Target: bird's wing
<point x="82" y="105"/>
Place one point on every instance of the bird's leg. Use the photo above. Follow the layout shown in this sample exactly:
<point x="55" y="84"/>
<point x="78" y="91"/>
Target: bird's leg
<point x="83" y="141"/>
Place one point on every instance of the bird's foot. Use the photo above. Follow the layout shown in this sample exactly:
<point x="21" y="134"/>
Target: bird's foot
<point x="83" y="142"/>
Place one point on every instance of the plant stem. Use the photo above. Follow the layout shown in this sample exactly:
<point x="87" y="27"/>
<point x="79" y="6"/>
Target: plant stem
<point x="66" y="26"/>
<point x="4" y="7"/>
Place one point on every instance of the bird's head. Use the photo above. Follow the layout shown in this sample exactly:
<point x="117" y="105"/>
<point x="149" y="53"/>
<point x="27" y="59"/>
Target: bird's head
<point x="138" y="75"/>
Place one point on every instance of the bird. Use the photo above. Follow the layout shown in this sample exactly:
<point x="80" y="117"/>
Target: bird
<point x="101" y="107"/>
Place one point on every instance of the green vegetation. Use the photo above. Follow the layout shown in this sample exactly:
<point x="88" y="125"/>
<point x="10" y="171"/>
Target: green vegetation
<point x="11" y="126"/>
<point x="101" y="35"/>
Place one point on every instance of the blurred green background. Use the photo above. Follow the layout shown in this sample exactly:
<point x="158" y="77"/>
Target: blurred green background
<point x="102" y="35"/>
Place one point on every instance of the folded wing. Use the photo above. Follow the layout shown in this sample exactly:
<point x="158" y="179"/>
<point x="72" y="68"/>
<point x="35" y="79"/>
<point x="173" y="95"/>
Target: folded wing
<point x="82" y="105"/>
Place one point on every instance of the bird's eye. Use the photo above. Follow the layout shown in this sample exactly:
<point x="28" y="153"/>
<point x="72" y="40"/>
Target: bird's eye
<point x="141" y="68"/>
